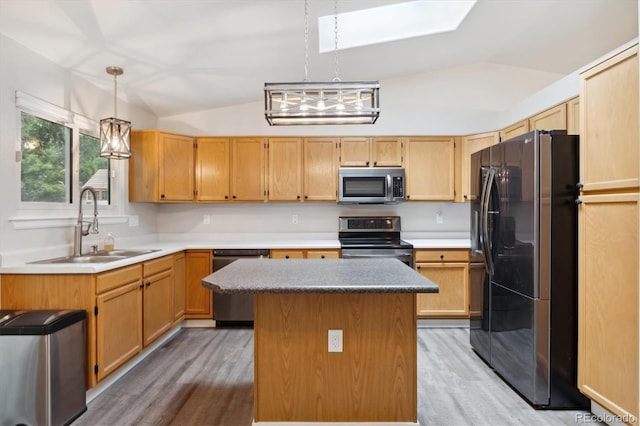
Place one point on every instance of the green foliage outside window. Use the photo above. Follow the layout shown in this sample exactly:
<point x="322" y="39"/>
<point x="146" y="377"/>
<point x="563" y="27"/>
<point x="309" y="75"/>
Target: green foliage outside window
<point x="45" y="150"/>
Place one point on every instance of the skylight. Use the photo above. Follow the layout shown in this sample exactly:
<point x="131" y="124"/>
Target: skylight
<point x="393" y="22"/>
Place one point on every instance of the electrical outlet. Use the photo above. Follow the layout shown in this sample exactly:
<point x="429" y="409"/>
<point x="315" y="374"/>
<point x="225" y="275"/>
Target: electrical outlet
<point x="335" y="340"/>
<point x="294" y="219"/>
<point x="206" y="219"/>
<point x="439" y="218"/>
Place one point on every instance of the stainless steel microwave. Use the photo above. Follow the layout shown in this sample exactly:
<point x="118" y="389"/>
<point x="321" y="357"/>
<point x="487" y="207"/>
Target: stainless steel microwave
<point x="371" y="185"/>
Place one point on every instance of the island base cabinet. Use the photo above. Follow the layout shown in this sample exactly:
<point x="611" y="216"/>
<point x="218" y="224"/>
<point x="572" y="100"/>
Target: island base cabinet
<point x="374" y="379"/>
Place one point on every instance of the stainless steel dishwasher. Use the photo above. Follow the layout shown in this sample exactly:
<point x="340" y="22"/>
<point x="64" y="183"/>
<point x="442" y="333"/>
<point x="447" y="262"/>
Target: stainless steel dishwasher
<point x="234" y="309"/>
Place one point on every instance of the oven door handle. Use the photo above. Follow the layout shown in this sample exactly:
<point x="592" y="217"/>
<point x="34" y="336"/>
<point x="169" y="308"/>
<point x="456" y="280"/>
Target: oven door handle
<point x="355" y="256"/>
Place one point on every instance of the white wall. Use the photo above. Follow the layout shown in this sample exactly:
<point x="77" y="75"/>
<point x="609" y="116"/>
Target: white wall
<point x="23" y="70"/>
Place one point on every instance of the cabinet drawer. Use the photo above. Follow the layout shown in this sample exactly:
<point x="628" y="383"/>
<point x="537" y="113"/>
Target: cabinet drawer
<point x="461" y="255"/>
<point x="114" y="279"/>
<point x="158" y="265"/>
<point x="323" y="254"/>
<point x="287" y="254"/>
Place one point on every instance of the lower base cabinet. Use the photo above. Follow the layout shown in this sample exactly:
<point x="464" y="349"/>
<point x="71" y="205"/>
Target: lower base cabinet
<point x="129" y="308"/>
<point x="449" y="269"/>
<point x="199" y="300"/>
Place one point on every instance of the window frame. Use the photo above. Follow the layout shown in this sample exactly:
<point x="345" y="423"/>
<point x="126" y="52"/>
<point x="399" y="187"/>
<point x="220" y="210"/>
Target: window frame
<point x="78" y="124"/>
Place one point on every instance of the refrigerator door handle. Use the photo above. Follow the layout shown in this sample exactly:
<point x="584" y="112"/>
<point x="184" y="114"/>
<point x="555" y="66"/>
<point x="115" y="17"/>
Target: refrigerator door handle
<point x="486" y="197"/>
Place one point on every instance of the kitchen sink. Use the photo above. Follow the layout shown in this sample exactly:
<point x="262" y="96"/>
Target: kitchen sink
<point x="102" y="256"/>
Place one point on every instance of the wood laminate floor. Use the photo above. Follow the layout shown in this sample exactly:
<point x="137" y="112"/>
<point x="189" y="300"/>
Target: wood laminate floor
<point x="205" y="377"/>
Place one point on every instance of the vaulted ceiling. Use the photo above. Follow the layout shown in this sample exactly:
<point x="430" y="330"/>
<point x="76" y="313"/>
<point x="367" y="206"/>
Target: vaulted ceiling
<point x="188" y="55"/>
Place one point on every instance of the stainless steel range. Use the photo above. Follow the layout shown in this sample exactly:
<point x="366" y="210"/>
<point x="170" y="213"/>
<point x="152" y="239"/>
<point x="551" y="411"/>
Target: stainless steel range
<point x="373" y="237"/>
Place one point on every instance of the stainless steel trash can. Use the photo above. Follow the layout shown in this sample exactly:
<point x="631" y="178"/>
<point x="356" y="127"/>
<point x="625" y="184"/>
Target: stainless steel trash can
<point x="42" y="367"/>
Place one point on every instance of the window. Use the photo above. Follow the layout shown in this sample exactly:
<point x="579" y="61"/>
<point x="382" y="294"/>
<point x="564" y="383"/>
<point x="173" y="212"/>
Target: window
<point x="59" y="155"/>
<point x="45" y="169"/>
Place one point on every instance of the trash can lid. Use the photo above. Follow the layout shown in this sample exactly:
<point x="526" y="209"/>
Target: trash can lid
<point x="6" y="315"/>
<point x="40" y="322"/>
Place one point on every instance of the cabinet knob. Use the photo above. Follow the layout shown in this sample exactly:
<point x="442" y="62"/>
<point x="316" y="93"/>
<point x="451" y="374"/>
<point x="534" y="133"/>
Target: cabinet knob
<point x="141" y="286"/>
<point x="306" y="197"/>
<point x="375" y="163"/>
<point x="162" y="196"/>
<point x="234" y="197"/>
<point x="464" y="196"/>
<point x="226" y="197"/>
<point x="579" y="186"/>
<point x="322" y="256"/>
<point x="408" y="196"/>
<point x="367" y="163"/>
<point x="578" y="201"/>
<point x="298" y="197"/>
<point x="417" y="266"/>
<point x="441" y="256"/>
<point x="148" y="283"/>
<point x="286" y="257"/>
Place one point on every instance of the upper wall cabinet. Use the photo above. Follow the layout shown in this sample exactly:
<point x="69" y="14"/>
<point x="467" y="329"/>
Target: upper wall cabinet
<point x="573" y="116"/>
<point x="212" y="169"/>
<point x="320" y="169"/>
<point x="285" y="169"/>
<point x="472" y="144"/>
<point x="161" y="167"/>
<point x="248" y="169"/>
<point x="430" y="168"/>
<point x="517" y="129"/>
<point x="371" y="152"/>
<point x="609" y="157"/>
<point x="552" y="119"/>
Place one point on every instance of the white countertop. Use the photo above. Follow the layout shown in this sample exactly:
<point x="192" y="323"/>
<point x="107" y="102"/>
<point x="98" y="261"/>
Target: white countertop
<point x="169" y="245"/>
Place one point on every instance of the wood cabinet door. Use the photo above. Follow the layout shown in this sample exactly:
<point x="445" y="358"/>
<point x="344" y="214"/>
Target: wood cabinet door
<point x="118" y="327"/>
<point x="429" y="168"/>
<point x="516" y="129"/>
<point x="176" y="168"/>
<point x="198" y="298"/>
<point x="609" y="123"/>
<point x="453" y="299"/>
<point x="386" y="152"/>
<point x="552" y="119"/>
<point x="212" y="169"/>
<point x="355" y="152"/>
<point x="573" y="116"/>
<point x="157" y="305"/>
<point x="470" y="145"/>
<point x="179" y="277"/>
<point x="320" y="169"/>
<point x="285" y="169"/>
<point x="247" y="169"/>
<point x="608" y="301"/>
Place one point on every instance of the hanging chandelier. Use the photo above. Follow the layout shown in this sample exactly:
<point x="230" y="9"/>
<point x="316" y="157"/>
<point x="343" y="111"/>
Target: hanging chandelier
<point x="115" y="133"/>
<point x="335" y="102"/>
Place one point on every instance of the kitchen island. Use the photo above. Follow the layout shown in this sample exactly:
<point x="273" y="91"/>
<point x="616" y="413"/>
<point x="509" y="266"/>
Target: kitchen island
<point x="371" y="301"/>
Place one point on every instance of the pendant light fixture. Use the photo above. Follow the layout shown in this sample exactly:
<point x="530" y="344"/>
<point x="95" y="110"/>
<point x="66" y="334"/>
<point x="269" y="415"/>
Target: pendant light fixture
<point x="335" y="102"/>
<point x="115" y="133"/>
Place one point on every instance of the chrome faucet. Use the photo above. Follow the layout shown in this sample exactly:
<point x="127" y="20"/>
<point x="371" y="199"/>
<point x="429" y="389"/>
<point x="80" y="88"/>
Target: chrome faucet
<point x="92" y="227"/>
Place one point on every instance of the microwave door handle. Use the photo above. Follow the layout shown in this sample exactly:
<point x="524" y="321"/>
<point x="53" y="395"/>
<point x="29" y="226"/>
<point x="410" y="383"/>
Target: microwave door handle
<point x="389" y="196"/>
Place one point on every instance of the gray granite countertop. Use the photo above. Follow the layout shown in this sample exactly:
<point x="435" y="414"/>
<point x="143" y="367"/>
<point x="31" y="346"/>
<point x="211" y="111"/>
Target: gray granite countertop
<point x="318" y="276"/>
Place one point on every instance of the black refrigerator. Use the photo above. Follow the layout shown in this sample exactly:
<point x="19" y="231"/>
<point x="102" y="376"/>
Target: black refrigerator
<point x="523" y="295"/>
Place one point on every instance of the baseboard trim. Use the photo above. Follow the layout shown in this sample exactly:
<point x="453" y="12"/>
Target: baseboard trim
<point x="443" y="323"/>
